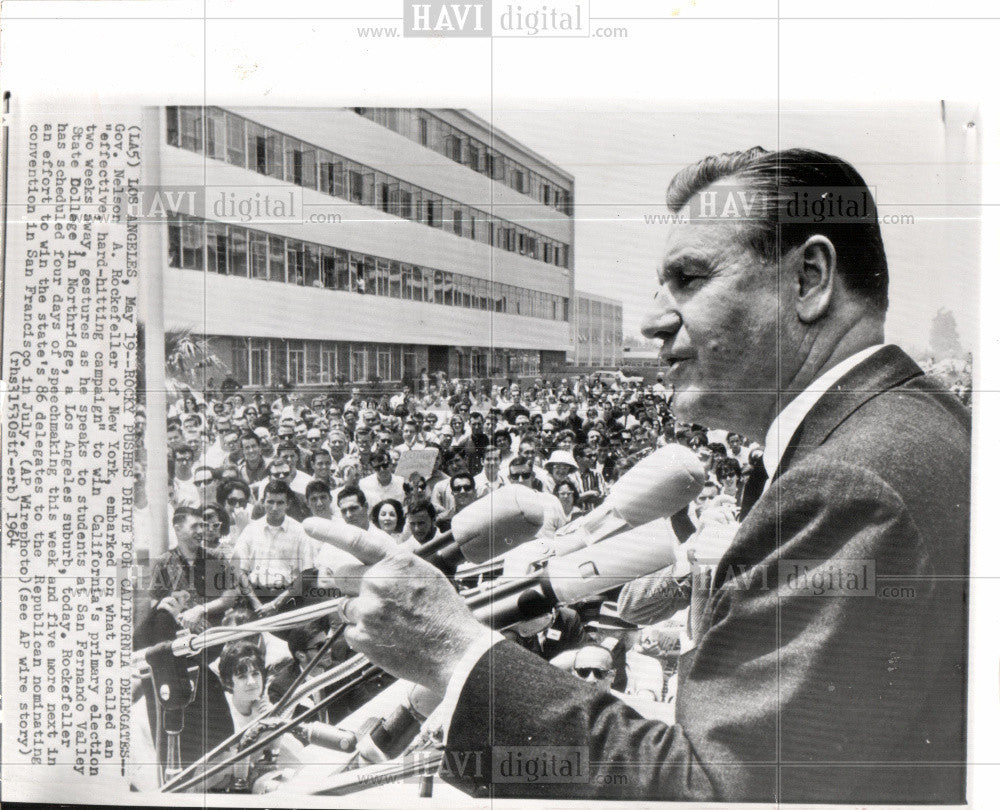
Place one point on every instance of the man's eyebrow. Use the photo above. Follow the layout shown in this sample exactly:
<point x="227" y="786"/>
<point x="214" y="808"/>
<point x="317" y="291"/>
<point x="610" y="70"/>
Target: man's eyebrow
<point x="673" y="264"/>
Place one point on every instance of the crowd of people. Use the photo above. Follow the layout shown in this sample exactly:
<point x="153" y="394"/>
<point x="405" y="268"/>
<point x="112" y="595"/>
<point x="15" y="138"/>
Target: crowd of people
<point x="245" y="469"/>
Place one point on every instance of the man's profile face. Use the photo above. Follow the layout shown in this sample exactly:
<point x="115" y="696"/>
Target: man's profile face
<point x="189" y="533"/>
<point x="717" y="311"/>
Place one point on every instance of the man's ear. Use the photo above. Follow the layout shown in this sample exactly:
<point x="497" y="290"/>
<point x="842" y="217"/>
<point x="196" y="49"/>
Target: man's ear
<point x="815" y="275"/>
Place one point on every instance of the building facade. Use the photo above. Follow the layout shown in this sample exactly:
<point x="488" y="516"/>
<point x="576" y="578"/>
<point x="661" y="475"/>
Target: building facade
<point x="361" y="245"/>
<point x="598" y="324"/>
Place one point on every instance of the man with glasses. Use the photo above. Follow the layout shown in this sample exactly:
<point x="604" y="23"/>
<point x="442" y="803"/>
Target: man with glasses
<point x="288" y="453"/>
<point x="591" y="478"/>
<point x="462" y="487"/>
<point x="185" y="490"/>
<point x="382" y="484"/>
<point x="593" y="664"/>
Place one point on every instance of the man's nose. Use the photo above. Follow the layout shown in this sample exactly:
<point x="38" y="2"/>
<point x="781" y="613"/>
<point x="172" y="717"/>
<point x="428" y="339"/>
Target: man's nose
<point x="663" y="320"/>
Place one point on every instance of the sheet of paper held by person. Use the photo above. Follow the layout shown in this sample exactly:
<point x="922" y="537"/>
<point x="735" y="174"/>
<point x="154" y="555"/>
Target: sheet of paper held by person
<point x="431" y="403"/>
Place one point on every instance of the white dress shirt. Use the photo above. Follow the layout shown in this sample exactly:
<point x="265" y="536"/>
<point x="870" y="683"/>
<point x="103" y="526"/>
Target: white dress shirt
<point x="783" y="428"/>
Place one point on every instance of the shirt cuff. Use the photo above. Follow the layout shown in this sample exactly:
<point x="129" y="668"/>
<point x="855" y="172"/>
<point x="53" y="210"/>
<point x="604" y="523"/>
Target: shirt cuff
<point x="440" y="720"/>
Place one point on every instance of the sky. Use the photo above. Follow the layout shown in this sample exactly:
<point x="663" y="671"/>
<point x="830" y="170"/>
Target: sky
<point x="922" y="159"/>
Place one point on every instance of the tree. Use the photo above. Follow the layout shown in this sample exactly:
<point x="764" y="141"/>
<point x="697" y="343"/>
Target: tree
<point x="944" y="342"/>
<point x="188" y="358"/>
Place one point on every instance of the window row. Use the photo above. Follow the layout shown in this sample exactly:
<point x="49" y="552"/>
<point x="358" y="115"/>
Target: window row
<point x="428" y="130"/>
<point x="268" y="362"/>
<point x="225" y="136"/>
<point x="232" y="250"/>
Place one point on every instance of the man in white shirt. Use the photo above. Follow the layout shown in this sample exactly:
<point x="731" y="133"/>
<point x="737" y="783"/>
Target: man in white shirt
<point x="382" y="484"/>
<point x="490" y="479"/>
<point x="411" y="438"/>
<point x="273" y="550"/>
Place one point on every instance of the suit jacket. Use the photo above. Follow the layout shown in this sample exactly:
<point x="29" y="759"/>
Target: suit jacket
<point x="830" y="657"/>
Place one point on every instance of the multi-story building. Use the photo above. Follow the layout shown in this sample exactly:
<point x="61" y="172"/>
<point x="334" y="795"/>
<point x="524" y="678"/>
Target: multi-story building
<point x="425" y="239"/>
<point x="598" y="324"/>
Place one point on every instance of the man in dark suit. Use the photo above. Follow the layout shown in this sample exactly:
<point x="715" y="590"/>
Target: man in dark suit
<point x="828" y="658"/>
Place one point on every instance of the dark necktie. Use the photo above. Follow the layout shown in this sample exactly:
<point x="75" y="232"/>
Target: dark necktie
<point x="753" y="488"/>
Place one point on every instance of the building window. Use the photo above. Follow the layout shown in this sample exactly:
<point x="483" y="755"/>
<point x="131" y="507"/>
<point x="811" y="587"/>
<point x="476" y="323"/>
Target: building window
<point x="328" y="267"/>
<point x="258" y="255"/>
<point x="356" y="189"/>
<point x="215" y="134"/>
<point x="216" y="242"/>
<point x="395" y="286"/>
<point x="422" y="131"/>
<point x="327" y="364"/>
<point x="311" y="270"/>
<point x="236" y="141"/>
<point x="237" y="251"/>
<point x="276" y="258"/>
<point x="241" y="360"/>
<point x="295" y="259"/>
<point x="173" y="126"/>
<point x="260" y="362"/>
<point x="296" y="362"/>
<point x="192" y="246"/>
<point x="190" y="128"/>
<point x="359" y="363"/>
<point x="453" y="145"/>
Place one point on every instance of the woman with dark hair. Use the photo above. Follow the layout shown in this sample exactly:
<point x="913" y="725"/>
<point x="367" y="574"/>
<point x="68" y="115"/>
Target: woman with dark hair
<point x="217" y="525"/>
<point x="569" y="497"/>
<point x="237" y="501"/>
<point x="389" y="517"/>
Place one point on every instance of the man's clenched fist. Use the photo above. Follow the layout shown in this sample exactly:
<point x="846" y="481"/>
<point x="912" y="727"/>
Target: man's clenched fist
<point x="407" y="618"/>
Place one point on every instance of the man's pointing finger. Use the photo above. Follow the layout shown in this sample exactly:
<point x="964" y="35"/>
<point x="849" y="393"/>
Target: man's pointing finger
<point x="366" y="546"/>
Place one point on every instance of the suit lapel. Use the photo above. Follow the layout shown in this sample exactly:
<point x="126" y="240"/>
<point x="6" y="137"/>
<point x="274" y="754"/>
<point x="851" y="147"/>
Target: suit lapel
<point x="885" y="369"/>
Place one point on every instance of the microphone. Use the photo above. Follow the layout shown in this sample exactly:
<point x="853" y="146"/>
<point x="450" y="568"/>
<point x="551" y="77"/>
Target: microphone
<point x="325" y="736"/>
<point x="659" y="485"/>
<point x="579" y="575"/>
<point x="486" y="528"/>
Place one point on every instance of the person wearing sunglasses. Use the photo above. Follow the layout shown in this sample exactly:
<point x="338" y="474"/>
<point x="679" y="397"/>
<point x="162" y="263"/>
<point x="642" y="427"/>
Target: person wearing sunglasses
<point x="383" y="483"/>
<point x="593" y="664"/>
